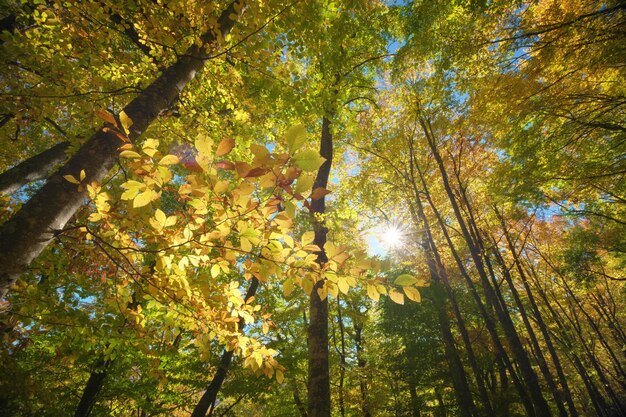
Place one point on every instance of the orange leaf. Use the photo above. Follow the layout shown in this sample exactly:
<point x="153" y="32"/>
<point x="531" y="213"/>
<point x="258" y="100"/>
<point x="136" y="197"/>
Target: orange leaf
<point x="318" y="193"/>
<point x="256" y="172"/>
<point x="225" y="146"/>
<point x="242" y="168"/>
<point x="227" y="165"/>
<point x="106" y="116"/>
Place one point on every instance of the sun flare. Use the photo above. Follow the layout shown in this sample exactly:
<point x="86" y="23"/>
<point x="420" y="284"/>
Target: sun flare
<point x="391" y="237"/>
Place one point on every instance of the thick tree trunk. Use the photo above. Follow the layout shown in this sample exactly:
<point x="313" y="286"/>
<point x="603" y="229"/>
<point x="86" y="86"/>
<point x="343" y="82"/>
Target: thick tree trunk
<point x="35" y="168"/>
<point x="29" y="231"/>
<point x="319" y="372"/>
<point x="92" y="388"/>
<point x="210" y="395"/>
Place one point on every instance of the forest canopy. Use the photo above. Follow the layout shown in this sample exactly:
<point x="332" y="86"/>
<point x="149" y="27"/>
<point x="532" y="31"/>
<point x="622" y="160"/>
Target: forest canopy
<point x="313" y="208"/>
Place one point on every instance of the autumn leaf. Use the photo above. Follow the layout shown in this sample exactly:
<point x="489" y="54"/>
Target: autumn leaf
<point x="225" y="146"/>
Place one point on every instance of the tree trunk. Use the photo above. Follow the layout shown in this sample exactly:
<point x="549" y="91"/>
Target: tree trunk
<point x="489" y="321"/>
<point x="360" y="361"/>
<point x="210" y="395"/>
<point x="35" y="168"/>
<point x="342" y="360"/>
<point x="530" y="378"/>
<point x="29" y="231"/>
<point x="439" y="274"/>
<point x="567" y="394"/>
<point x="318" y="383"/>
<point x="93" y="387"/>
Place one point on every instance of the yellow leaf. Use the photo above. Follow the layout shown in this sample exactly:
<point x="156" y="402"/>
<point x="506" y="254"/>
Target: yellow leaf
<point x="405" y="280"/>
<point x="309" y="160"/>
<point x="304" y="183"/>
<point x="215" y="270"/>
<point x="245" y="244"/>
<point x="288" y="287"/>
<point x="332" y="289"/>
<point x="129" y="154"/>
<point x="160" y="217"/>
<point x="126" y="121"/>
<point x="280" y="377"/>
<point x="396" y="297"/>
<point x="143" y="199"/>
<point x="71" y="179"/>
<point x="203" y="144"/>
<point x="343" y="285"/>
<point x="168" y="160"/>
<point x="372" y="292"/>
<point x="323" y="292"/>
<point x="221" y="186"/>
<point x="82" y="174"/>
<point x="412" y="294"/>
<point x="307" y="238"/>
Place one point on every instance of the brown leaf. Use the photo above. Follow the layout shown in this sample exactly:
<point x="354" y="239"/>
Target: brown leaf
<point x="227" y="165"/>
<point x="318" y="193"/>
<point x="225" y="146"/>
<point x="117" y="133"/>
<point x="242" y="168"/>
<point x="256" y="172"/>
<point x="106" y="116"/>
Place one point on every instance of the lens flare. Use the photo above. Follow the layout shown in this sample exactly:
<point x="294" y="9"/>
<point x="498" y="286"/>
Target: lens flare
<point x="391" y="237"/>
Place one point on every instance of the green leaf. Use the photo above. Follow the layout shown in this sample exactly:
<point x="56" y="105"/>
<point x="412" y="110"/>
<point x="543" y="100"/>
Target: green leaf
<point x="309" y="160"/>
<point x="295" y="138"/>
<point x="304" y="184"/>
<point x="405" y="280"/>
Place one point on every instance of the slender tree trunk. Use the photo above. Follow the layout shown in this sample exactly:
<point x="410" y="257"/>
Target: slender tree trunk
<point x="30" y="230"/>
<point x="319" y="372"/>
<point x="296" y="399"/>
<point x="361" y="362"/>
<point x="541" y="360"/>
<point x="35" y="168"/>
<point x="415" y="402"/>
<point x="530" y="378"/>
<point x="567" y="394"/>
<point x="210" y="395"/>
<point x="92" y="388"/>
<point x="342" y="360"/>
<point x="439" y="275"/>
<point x="489" y="322"/>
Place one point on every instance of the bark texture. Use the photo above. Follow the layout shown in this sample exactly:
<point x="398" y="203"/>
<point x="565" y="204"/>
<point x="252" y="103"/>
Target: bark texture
<point x="319" y="372"/>
<point x="27" y="233"/>
<point x="92" y="388"/>
<point x="35" y="168"/>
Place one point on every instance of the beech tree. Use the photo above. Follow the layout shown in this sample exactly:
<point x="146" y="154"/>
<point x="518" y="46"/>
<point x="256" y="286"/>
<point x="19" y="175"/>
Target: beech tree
<point x="312" y="208"/>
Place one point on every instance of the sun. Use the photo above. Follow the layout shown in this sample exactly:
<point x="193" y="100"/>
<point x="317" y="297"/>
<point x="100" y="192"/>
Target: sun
<point x="391" y="237"/>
